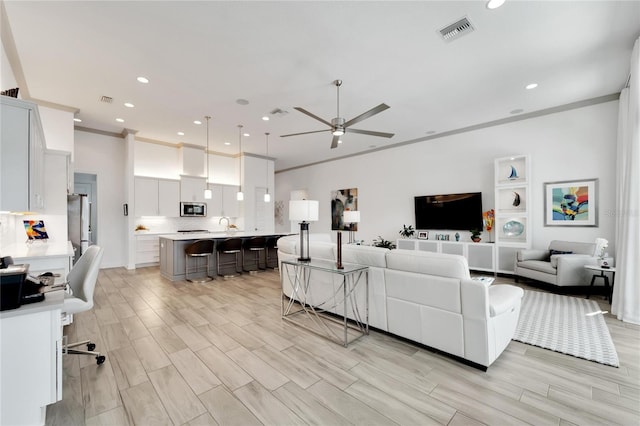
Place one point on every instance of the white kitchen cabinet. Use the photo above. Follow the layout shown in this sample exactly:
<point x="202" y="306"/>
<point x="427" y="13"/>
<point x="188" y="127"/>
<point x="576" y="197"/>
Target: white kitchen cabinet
<point x="57" y="166"/>
<point x="224" y="201"/>
<point x="21" y="156"/>
<point x="147" y="250"/>
<point x="169" y="198"/>
<point x="192" y="189"/>
<point x="157" y="197"/>
<point x="146" y="196"/>
<point x="31" y="360"/>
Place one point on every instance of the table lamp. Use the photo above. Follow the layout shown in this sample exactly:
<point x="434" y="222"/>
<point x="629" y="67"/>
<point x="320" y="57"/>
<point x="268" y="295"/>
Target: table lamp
<point x="305" y="211"/>
<point x="351" y="217"/>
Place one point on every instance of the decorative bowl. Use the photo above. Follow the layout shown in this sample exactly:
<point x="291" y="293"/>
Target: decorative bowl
<point x="513" y="228"/>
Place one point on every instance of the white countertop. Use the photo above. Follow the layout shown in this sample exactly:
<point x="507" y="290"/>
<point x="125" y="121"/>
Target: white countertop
<point x="37" y="249"/>
<point x="215" y="235"/>
<point x="52" y="300"/>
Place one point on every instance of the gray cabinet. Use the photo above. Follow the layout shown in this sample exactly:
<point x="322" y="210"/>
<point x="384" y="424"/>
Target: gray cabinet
<point x="21" y="156"/>
<point x="172" y="258"/>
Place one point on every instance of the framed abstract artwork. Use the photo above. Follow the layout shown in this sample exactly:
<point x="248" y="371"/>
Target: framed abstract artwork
<point x="571" y="203"/>
<point x="35" y="230"/>
<point x="341" y="200"/>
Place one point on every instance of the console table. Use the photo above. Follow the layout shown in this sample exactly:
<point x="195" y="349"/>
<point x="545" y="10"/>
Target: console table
<point x="333" y="292"/>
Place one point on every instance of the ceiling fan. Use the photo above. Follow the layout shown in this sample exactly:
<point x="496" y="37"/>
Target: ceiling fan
<point x="338" y="126"/>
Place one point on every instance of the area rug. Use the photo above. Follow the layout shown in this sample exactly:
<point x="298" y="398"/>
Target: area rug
<point x="561" y="324"/>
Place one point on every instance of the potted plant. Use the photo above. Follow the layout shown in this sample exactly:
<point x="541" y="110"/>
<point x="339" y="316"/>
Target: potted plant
<point x="407" y="231"/>
<point x="475" y="235"/>
<point x="381" y="242"/>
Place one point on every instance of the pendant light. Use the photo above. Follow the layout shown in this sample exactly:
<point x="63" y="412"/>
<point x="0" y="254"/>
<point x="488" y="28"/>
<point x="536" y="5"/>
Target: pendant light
<point x="267" y="196"/>
<point x="207" y="191"/>
<point x="240" y="195"/>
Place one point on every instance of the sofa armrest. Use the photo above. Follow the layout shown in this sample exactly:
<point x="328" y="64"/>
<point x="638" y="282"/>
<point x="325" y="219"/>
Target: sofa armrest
<point x="571" y="269"/>
<point x="503" y="298"/>
<point x="532" y="254"/>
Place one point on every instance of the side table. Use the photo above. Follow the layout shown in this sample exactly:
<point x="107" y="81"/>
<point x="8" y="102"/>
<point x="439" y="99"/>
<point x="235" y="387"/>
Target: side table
<point x="603" y="275"/>
<point x="312" y="314"/>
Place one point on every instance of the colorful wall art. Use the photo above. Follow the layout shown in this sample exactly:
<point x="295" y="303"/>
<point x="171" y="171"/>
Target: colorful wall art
<point x="572" y="203"/>
<point x="341" y="200"/>
<point x="35" y="229"/>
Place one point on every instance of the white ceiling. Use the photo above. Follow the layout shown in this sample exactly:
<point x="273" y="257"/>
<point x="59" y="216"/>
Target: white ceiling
<point x="201" y="57"/>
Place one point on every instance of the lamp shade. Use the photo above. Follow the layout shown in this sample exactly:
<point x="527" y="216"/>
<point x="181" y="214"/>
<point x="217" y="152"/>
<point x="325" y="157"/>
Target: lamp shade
<point x="351" y="216"/>
<point x="303" y="210"/>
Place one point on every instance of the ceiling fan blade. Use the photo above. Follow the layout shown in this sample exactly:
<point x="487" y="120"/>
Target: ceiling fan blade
<point x="365" y="115"/>
<point x="305" y="133"/>
<point x="334" y="142"/>
<point x="304" y="111"/>
<point x="370" y="133"/>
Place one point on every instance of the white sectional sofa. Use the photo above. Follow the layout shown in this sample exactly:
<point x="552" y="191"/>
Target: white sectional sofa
<point x="425" y="297"/>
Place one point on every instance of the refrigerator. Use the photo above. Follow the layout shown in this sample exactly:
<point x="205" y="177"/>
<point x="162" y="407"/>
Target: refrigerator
<point x="79" y="220"/>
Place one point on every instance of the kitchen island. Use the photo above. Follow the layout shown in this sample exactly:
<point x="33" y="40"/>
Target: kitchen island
<point x="172" y="256"/>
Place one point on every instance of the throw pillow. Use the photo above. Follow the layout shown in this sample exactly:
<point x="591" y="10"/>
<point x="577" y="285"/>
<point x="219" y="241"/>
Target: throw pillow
<point x="552" y="252"/>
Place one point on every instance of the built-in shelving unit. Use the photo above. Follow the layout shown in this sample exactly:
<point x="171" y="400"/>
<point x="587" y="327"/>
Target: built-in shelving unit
<point x="480" y="256"/>
<point x="512" y="209"/>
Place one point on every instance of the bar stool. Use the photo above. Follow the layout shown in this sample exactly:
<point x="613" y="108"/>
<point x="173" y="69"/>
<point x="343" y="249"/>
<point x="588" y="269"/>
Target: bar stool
<point x="255" y="245"/>
<point x="272" y="252"/>
<point x="228" y="247"/>
<point x="197" y="250"/>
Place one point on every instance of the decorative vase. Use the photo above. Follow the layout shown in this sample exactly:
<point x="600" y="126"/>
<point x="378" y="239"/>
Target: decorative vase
<point x="476" y="239"/>
<point x="457" y="236"/>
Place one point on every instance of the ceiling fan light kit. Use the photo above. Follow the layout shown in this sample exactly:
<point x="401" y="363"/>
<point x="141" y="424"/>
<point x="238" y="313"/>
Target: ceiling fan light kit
<point x="338" y="125"/>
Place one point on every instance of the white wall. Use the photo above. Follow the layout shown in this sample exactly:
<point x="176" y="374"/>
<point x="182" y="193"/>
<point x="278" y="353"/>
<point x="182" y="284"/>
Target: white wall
<point x="570" y="145"/>
<point x="104" y="156"/>
<point x="7" y="78"/>
<point x="57" y="126"/>
<point x="155" y="160"/>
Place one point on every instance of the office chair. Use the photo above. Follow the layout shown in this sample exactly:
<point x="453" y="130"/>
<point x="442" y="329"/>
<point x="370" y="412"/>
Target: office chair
<point x="82" y="281"/>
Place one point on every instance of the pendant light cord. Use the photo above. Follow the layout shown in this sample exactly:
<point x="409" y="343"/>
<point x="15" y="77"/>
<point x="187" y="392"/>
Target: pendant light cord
<point x="240" y="153"/>
<point x="267" y="160"/>
<point x="207" y="117"/>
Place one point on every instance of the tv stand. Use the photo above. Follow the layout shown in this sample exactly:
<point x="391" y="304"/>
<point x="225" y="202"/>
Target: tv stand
<point x="480" y="256"/>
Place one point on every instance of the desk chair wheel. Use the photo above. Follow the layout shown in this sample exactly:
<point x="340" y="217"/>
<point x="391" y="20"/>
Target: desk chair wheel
<point x="100" y="359"/>
<point x="91" y="346"/>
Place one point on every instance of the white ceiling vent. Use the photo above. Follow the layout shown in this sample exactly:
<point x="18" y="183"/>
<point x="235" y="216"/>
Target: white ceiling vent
<point x="279" y="112"/>
<point x="106" y="99"/>
<point x="457" y="29"/>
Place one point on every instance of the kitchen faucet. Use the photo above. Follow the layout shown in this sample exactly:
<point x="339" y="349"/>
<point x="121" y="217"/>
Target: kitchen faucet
<point x="226" y="228"/>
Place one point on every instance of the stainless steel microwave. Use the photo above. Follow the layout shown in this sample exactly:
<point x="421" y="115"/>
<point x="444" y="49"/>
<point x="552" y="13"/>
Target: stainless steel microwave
<point x="193" y="209"/>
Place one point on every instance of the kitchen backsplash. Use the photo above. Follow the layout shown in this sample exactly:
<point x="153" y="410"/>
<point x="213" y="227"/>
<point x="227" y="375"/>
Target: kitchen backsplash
<point x="166" y="225"/>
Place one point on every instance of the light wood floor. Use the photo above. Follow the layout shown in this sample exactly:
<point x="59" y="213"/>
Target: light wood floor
<point x="218" y="353"/>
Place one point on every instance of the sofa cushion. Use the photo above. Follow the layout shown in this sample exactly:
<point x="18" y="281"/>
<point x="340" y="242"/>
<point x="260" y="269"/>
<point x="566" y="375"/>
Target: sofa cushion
<point x="554" y="252"/>
<point x="289" y="244"/>
<point x="365" y="255"/>
<point x="423" y="262"/>
<point x="321" y="250"/>
<point x="502" y="298"/>
<point x="538" y="265"/>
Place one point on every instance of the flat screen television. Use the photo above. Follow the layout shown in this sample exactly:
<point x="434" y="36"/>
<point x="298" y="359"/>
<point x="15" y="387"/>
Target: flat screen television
<point x="449" y="211"/>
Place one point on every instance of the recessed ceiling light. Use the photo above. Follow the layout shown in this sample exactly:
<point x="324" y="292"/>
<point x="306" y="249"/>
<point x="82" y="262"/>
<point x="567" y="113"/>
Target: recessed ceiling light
<point x="129" y="105"/>
<point x="494" y="4"/>
<point x="77" y="120"/>
<point x="180" y="133"/>
<point x="246" y="134"/>
<point x="531" y="86"/>
<point x="265" y="118"/>
<point x="144" y="80"/>
<point x="516" y="111"/>
<point x="119" y="120"/>
<point x="339" y="140"/>
<point x="198" y="122"/>
<point x="227" y="143"/>
<point x="242" y="101"/>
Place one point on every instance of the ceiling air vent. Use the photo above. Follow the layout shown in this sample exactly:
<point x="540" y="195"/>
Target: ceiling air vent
<point x="106" y="99"/>
<point x="456" y="30"/>
<point x="279" y="112"/>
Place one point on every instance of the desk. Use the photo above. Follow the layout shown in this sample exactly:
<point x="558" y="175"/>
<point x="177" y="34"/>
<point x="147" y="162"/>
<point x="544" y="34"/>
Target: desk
<point x="602" y="275"/>
<point x="337" y="299"/>
<point x="31" y="360"/>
